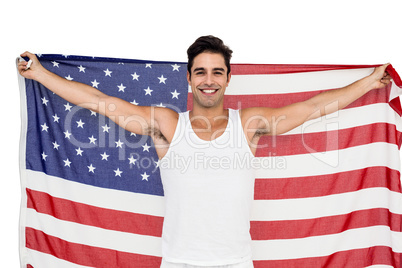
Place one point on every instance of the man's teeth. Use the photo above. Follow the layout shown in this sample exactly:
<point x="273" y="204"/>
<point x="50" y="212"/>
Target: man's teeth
<point x="209" y="90"/>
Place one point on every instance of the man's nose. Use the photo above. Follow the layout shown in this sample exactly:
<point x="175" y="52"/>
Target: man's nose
<point x="209" y="79"/>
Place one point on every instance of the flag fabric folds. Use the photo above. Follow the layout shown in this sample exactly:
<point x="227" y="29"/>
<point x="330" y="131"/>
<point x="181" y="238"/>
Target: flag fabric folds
<point x="327" y="193"/>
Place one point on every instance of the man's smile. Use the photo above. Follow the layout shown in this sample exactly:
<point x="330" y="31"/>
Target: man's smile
<point x="208" y="90"/>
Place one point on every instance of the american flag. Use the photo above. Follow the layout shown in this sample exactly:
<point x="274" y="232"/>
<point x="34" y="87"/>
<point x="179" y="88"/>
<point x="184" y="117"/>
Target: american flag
<point x="327" y="194"/>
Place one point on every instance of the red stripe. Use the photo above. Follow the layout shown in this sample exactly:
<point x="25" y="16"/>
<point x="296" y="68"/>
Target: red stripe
<point x="379" y="255"/>
<point x="266" y="230"/>
<point x="86" y="255"/>
<point x="322" y="185"/>
<point x="67" y="210"/>
<point x="280" y="100"/>
<point x="395" y="76"/>
<point x="242" y="69"/>
<point x="307" y="143"/>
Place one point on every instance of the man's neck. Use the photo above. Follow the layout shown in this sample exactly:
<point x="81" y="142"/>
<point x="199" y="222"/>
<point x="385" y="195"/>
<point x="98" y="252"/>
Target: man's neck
<point x="210" y="114"/>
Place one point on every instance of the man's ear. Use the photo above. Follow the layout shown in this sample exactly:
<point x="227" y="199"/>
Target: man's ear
<point x="229" y="77"/>
<point x="188" y="77"/>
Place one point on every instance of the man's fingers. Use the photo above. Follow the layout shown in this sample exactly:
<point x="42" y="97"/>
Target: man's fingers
<point x="28" y="64"/>
<point x="30" y="56"/>
<point x="27" y="54"/>
<point x="386" y="79"/>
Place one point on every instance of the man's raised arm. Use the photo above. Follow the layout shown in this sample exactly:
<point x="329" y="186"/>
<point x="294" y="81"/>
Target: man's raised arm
<point x="275" y="121"/>
<point x="143" y="120"/>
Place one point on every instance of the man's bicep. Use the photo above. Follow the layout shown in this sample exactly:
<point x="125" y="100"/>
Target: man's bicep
<point x="289" y="117"/>
<point x="276" y="121"/>
<point x="133" y="118"/>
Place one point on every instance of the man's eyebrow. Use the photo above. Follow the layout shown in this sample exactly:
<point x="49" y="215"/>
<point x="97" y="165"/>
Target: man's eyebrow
<point x="199" y="69"/>
<point x="219" y="69"/>
<point x="203" y="69"/>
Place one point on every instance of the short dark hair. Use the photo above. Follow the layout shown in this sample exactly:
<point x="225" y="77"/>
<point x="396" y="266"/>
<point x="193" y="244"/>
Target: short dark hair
<point x="211" y="44"/>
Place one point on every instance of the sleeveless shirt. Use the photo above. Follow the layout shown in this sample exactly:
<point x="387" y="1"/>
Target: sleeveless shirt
<point x="209" y="188"/>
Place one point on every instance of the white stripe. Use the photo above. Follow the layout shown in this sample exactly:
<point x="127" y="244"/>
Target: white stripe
<point x="96" y="196"/>
<point x="22" y="156"/>
<point x="312" y="164"/>
<point x="379" y="266"/>
<point x="294" y="82"/>
<point x="324" y="206"/>
<point x="326" y="245"/>
<point x="395" y="91"/>
<point x="44" y="260"/>
<point x="353" y="117"/>
<point x="94" y="236"/>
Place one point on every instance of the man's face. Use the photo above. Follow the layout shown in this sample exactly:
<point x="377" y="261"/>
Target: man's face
<point x="208" y="79"/>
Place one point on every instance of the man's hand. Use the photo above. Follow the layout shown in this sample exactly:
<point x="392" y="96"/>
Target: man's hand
<point x="33" y="70"/>
<point x="380" y="77"/>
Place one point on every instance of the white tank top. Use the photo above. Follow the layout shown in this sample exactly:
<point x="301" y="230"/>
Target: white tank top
<point x="209" y="188"/>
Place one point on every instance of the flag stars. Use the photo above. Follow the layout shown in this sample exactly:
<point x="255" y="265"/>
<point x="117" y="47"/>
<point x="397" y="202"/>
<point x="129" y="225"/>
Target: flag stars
<point x="175" y="67"/>
<point x="121" y="87"/>
<point x="79" y="151"/>
<point x="175" y="94"/>
<point x="80" y="124"/>
<point x="161" y="105"/>
<point x="69" y="78"/>
<point x="145" y="147"/>
<point x="44" y="101"/>
<point x="67" y="107"/>
<point x="67" y="134"/>
<point x="91" y="168"/>
<point x="117" y="172"/>
<point x="95" y="83"/>
<point x="56" y="145"/>
<point x="56" y="118"/>
<point x="148" y="91"/>
<point x="47" y="101"/>
<point x="44" y="127"/>
<point x="132" y="160"/>
<point x="157" y="163"/>
<point x="81" y="69"/>
<point x="67" y="162"/>
<point x="108" y="73"/>
<point x="106" y="128"/>
<point x="145" y="176"/>
<point x="119" y="144"/>
<point x="92" y="139"/>
<point x="105" y="156"/>
<point x="135" y="76"/>
<point x="162" y="79"/>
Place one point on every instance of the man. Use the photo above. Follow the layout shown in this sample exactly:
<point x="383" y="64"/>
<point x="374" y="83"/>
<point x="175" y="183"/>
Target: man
<point x="208" y="202"/>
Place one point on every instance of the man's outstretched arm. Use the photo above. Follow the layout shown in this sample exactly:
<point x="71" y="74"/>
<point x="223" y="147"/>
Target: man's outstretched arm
<point x="143" y="120"/>
<point x="275" y="121"/>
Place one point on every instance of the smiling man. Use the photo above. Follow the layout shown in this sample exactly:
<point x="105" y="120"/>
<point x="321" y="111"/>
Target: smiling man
<point x="208" y="200"/>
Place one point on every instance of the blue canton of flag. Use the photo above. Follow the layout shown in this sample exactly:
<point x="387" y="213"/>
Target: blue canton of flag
<point x="77" y="144"/>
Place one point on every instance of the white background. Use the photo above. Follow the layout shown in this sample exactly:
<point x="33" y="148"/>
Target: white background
<point x="328" y="32"/>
